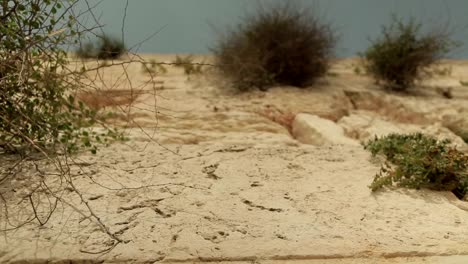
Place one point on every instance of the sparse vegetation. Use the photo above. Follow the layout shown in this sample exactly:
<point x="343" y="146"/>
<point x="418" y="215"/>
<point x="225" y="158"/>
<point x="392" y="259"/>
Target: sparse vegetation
<point x="463" y="83"/>
<point x="420" y="161"/>
<point x="180" y="61"/>
<point x="153" y="67"/>
<point x="190" y="69"/>
<point x="41" y="121"/>
<point x="402" y="54"/>
<point x="106" y="48"/>
<point x="188" y="64"/>
<point x="280" y="44"/>
<point x="37" y="110"/>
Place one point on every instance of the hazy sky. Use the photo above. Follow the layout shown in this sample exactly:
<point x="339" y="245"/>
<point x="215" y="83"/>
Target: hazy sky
<point x="186" y="26"/>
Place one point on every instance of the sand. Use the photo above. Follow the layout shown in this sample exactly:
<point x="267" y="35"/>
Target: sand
<point x="209" y="175"/>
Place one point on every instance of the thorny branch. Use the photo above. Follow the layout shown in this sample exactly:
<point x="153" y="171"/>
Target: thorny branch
<point x="51" y="173"/>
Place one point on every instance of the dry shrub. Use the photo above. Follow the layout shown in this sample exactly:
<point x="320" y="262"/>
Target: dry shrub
<point x="403" y="53"/>
<point x="153" y="67"/>
<point x="187" y="63"/>
<point x="107" y="48"/>
<point x="279" y="44"/>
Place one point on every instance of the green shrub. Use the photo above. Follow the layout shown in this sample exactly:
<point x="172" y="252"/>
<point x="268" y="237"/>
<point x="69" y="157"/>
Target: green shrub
<point x="280" y="44"/>
<point x="403" y="52"/>
<point x="37" y="111"/>
<point x="106" y="48"/>
<point x="420" y="161"/>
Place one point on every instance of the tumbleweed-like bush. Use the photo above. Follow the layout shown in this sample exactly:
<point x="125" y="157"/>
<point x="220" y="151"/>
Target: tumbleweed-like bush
<point x="403" y="53"/>
<point x="37" y="109"/>
<point x="110" y="48"/>
<point x="106" y="48"/>
<point x="420" y="161"/>
<point x="42" y="124"/>
<point x="187" y="63"/>
<point x="279" y="44"/>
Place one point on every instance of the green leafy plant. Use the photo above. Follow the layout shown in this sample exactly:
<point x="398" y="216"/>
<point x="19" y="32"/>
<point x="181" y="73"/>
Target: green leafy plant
<point x="420" y="161"/>
<point x="37" y="111"/>
<point x="403" y="53"/>
<point x="280" y="44"/>
<point x="41" y="121"/>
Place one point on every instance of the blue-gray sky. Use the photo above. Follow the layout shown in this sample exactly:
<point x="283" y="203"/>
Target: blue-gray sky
<point x="186" y="26"/>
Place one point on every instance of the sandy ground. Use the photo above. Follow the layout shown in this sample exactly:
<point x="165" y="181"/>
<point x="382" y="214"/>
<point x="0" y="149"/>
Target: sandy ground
<point x="209" y="175"/>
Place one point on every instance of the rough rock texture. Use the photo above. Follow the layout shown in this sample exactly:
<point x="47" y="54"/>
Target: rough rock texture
<point x="311" y="129"/>
<point x="229" y="202"/>
<point x="364" y="126"/>
<point x="211" y="175"/>
<point x="457" y="123"/>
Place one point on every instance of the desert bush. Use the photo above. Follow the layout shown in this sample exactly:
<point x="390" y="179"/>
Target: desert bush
<point x="403" y="53"/>
<point x="37" y="109"/>
<point x="180" y="61"/>
<point x="158" y="67"/>
<point x="188" y="64"/>
<point x="41" y="122"/>
<point x="110" y="48"/>
<point x="279" y="44"/>
<point x="190" y="69"/>
<point x="106" y="48"/>
<point x="420" y="161"/>
<point x="153" y="67"/>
